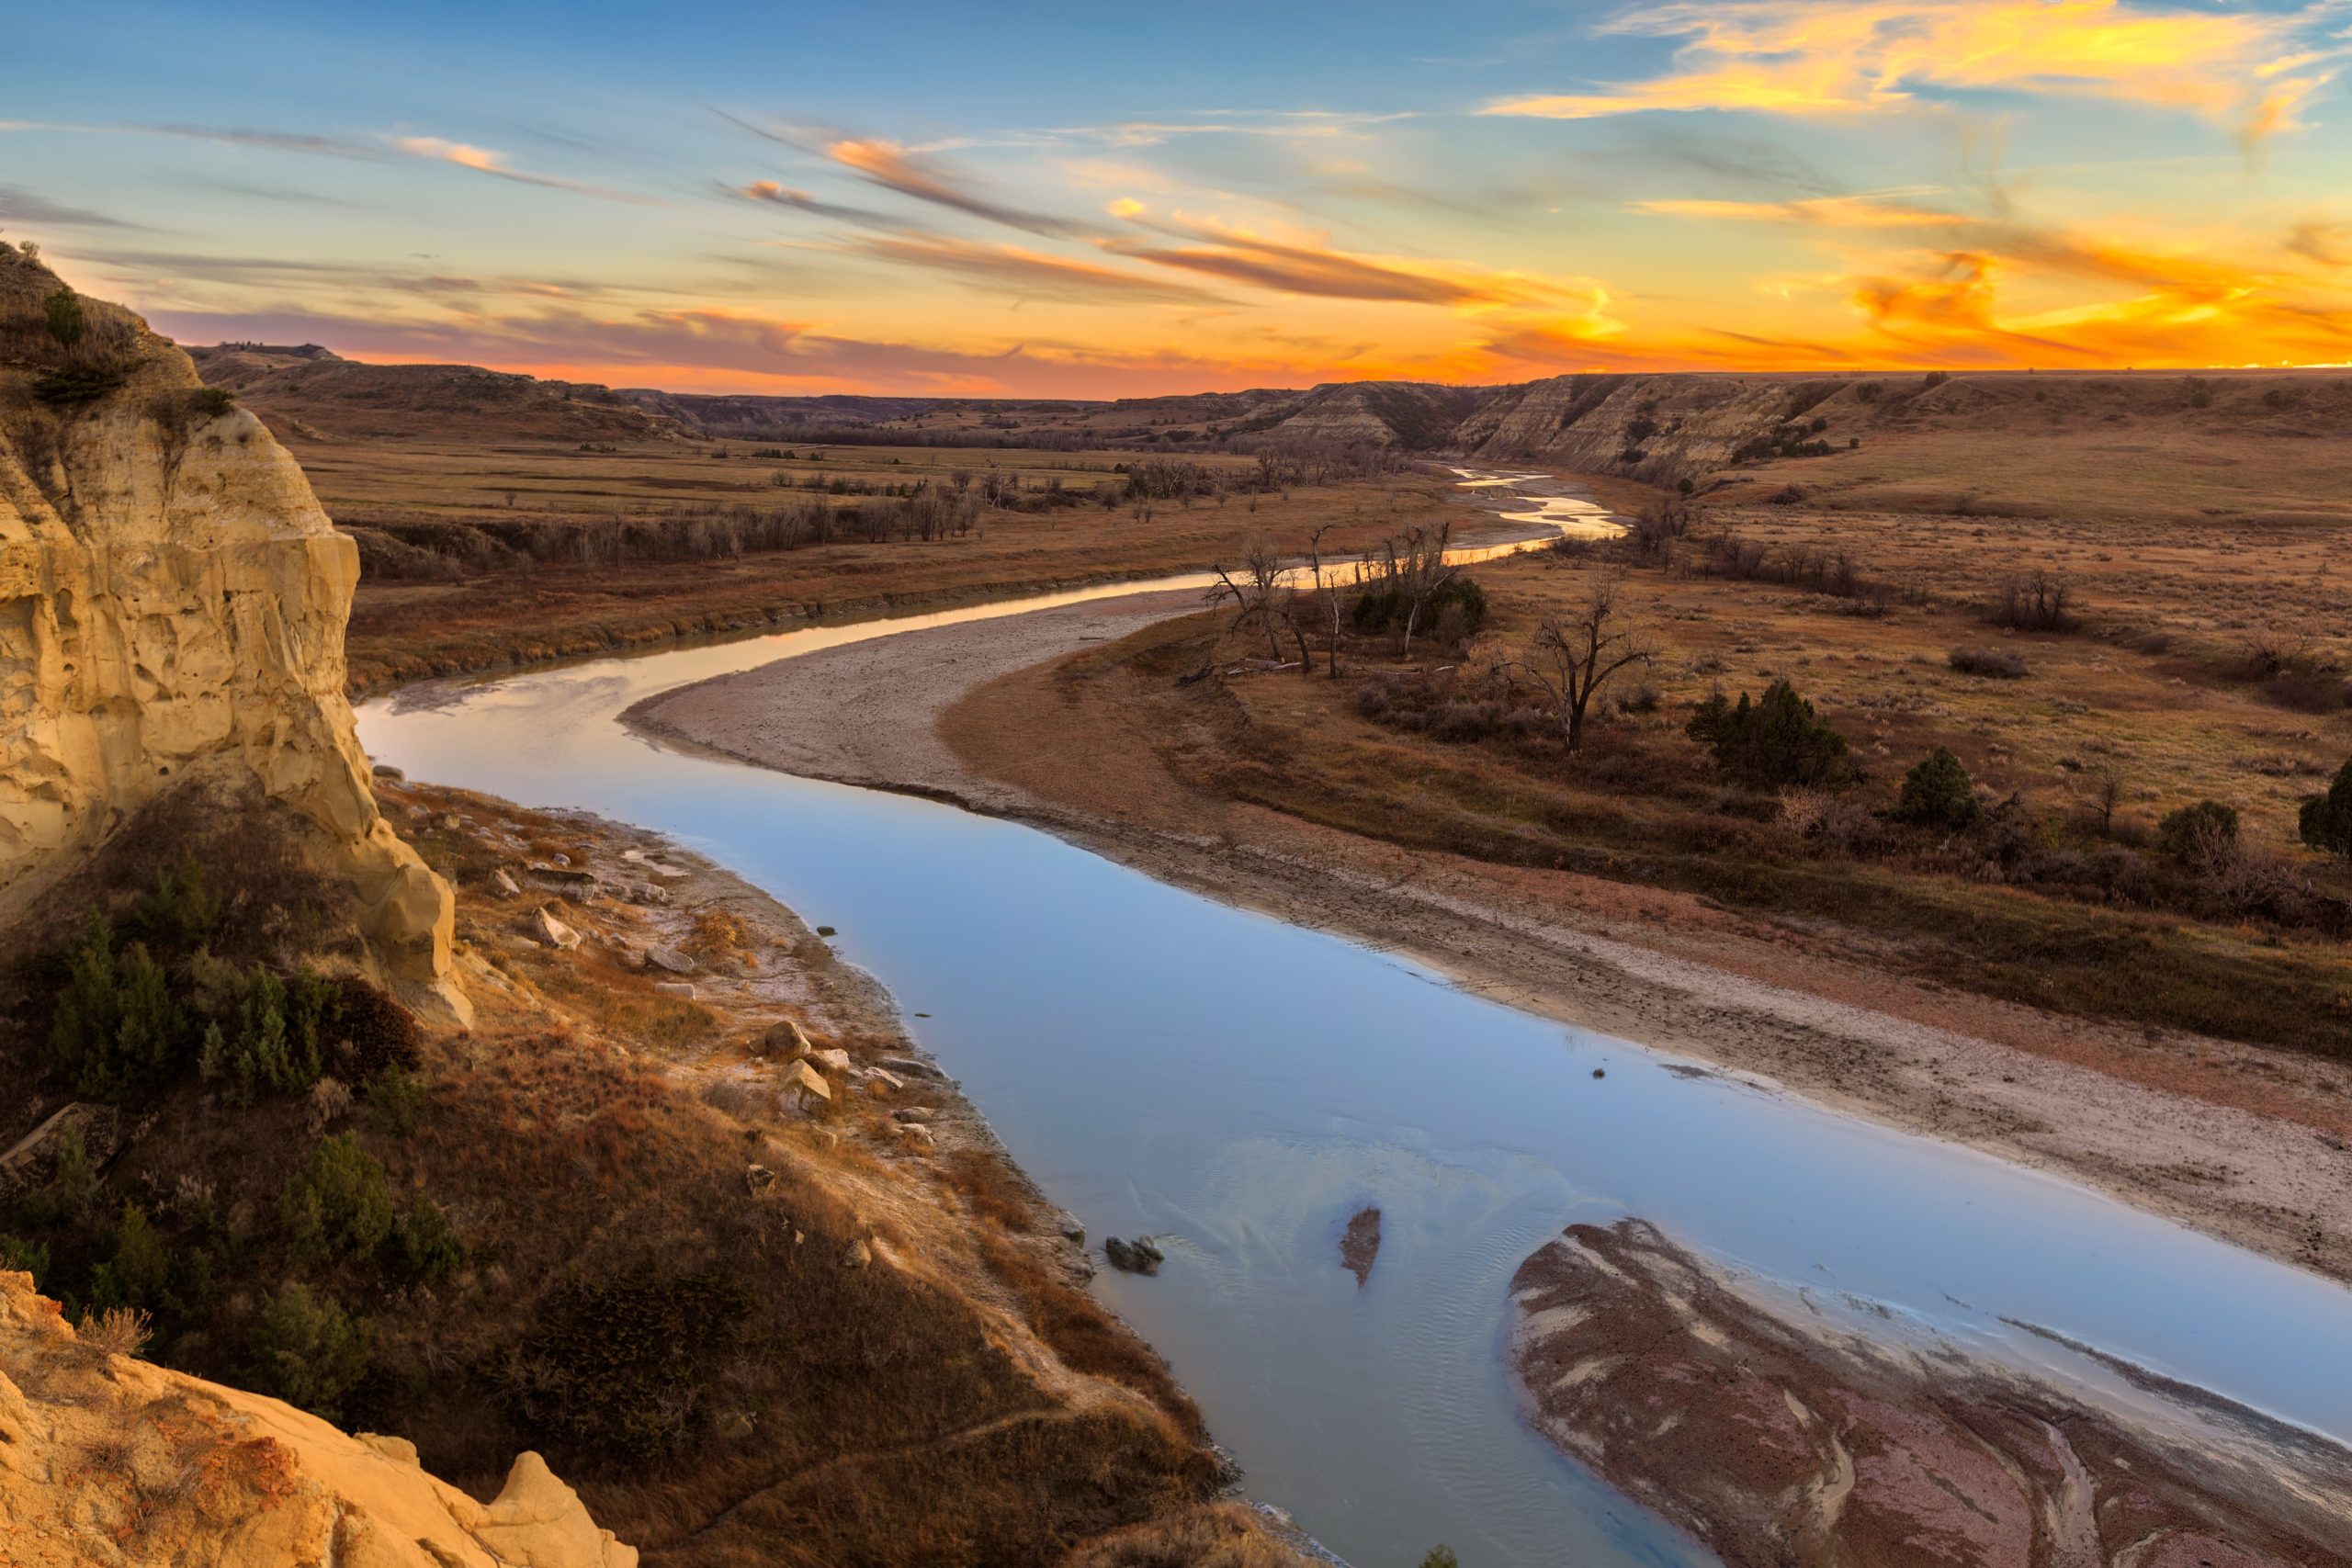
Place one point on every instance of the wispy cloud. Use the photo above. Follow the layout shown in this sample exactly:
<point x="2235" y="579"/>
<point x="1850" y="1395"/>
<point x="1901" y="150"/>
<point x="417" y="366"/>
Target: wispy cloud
<point x="1819" y="212"/>
<point x="482" y="160"/>
<point x="928" y="178"/>
<point x="19" y="206"/>
<point x="772" y="194"/>
<point x="2253" y="71"/>
<point x="1306" y="265"/>
<point x="1026" y="273"/>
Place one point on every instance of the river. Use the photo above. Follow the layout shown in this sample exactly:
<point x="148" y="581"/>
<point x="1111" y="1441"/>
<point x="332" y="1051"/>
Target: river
<point x="1239" y="1087"/>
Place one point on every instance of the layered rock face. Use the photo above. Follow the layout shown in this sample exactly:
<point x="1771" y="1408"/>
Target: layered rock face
<point x="106" y="1460"/>
<point x="172" y="607"/>
<point x="1782" y="1438"/>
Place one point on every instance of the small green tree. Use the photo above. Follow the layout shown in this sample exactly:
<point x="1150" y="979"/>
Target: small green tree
<point x="1938" y="793"/>
<point x="66" y="321"/>
<point x="428" y="1244"/>
<point x="2326" y="819"/>
<point x="115" y="1026"/>
<point x="2197" y="835"/>
<point x="307" y="1350"/>
<point x="338" y="1205"/>
<point x="1772" y="740"/>
<point x="142" y="1264"/>
<point x="1440" y="1557"/>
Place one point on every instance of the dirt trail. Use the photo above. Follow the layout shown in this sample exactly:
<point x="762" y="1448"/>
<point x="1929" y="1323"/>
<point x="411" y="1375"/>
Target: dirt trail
<point x="2244" y="1143"/>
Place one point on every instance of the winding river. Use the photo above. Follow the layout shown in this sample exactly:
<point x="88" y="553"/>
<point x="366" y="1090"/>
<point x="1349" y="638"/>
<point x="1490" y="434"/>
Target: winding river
<point x="1239" y="1087"/>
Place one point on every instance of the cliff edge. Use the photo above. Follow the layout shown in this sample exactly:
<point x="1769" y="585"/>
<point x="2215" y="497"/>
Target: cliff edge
<point x="105" y="1460"/>
<point x="172" y="607"/>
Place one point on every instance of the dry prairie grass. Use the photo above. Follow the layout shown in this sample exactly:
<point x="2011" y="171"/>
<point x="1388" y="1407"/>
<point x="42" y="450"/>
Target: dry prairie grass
<point x="2041" y="920"/>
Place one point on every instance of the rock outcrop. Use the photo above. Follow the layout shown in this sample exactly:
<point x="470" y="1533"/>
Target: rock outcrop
<point x="171" y="608"/>
<point x="108" y="1461"/>
<point x="1782" y="1438"/>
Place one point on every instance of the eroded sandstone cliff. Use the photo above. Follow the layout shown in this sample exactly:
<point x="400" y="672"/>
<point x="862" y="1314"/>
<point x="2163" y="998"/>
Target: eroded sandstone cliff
<point x="106" y="1460"/>
<point x="172" y="607"/>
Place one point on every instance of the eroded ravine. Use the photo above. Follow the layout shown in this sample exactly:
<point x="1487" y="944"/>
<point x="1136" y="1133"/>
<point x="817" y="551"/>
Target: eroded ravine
<point x="1240" y="1087"/>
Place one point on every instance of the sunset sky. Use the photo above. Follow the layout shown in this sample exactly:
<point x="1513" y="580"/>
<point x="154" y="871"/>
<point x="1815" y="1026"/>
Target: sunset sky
<point x="1104" y="200"/>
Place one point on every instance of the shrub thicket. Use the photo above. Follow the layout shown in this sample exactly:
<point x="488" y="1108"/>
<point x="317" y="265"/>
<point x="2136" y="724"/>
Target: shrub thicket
<point x="1938" y="793"/>
<point x="2200" y="834"/>
<point x="308" y="1351"/>
<point x="2325" y="820"/>
<point x="1777" y="740"/>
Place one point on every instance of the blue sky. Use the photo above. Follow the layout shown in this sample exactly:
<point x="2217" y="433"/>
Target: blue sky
<point x="1084" y="200"/>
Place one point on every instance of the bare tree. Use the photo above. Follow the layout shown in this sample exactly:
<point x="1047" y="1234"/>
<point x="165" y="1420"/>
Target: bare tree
<point x="1327" y="587"/>
<point x="1259" y="597"/>
<point x="1570" y="657"/>
<point x="1423" y="572"/>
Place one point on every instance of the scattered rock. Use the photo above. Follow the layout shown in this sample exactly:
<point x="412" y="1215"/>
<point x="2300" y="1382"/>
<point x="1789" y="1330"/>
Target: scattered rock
<point x="910" y="1068"/>
<point x="449" y="822"/>
<point x="914" y="1133"/>
<point x="684" y="989"/>
<point x="552" y="931"/>
<point x="632" y="959"/>
<point x="758" y="1177"/>
<point x="834" y="1057"/>
<point x="913" y="1113"/>
<point x="803" y="1084"/>
<point x="826" y="931"/>
<point x="885" y="1076"/>
<point x="1361" y="1244"/>
<point x="1069" y="1226"/>
<point x="571" y="883"/>
<point x="1141" y="1256"/>
<point x="785" y="1038"/>
<point x="503" y="882"/>
<point x="669" y="958"/>
<point x="388" y="772"/>
<point x="857" y="1255"/>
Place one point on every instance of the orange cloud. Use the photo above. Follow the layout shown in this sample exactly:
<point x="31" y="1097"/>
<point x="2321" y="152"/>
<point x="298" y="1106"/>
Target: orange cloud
<point x="1839" y="57"/>
<point x="893" y="167"/>
<point x="1820" y="212"/>
<point x="482" y="160"/>
<point x="1013" y="270"/>
<point x="1305" y="266"/>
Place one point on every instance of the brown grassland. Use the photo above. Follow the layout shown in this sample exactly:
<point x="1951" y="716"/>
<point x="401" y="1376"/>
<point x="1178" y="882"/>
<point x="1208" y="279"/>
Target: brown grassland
<point x="491" y="613"/>
<point x="2210" y="667"/>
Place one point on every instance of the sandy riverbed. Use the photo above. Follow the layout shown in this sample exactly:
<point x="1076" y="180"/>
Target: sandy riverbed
<point x="2244" y="1142"/>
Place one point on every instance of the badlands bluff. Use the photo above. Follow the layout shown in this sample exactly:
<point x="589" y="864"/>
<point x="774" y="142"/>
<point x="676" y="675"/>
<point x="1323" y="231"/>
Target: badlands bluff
<point x="105" y="1460"/>
<point x="172" y="611"/>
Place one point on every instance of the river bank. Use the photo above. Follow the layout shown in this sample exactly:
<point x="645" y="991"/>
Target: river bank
<point x="997" y="716"/>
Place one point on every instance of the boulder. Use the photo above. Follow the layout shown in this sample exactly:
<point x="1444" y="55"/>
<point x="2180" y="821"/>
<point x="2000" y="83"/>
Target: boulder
<point x="1141" y="1256"/>
<point x="785" y="1038"/>
<point x="669" y="958"/>
<point x="886" y="1078"/>
<point x="551" y="931"/>
<point x="502" y="883"/>
<point x="803" y="1084"/>
<point x="535" y="1521"/>
<point x="833" y="1057"/>
<point x="388" y="772"/>
<point x="174" y="602"/>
